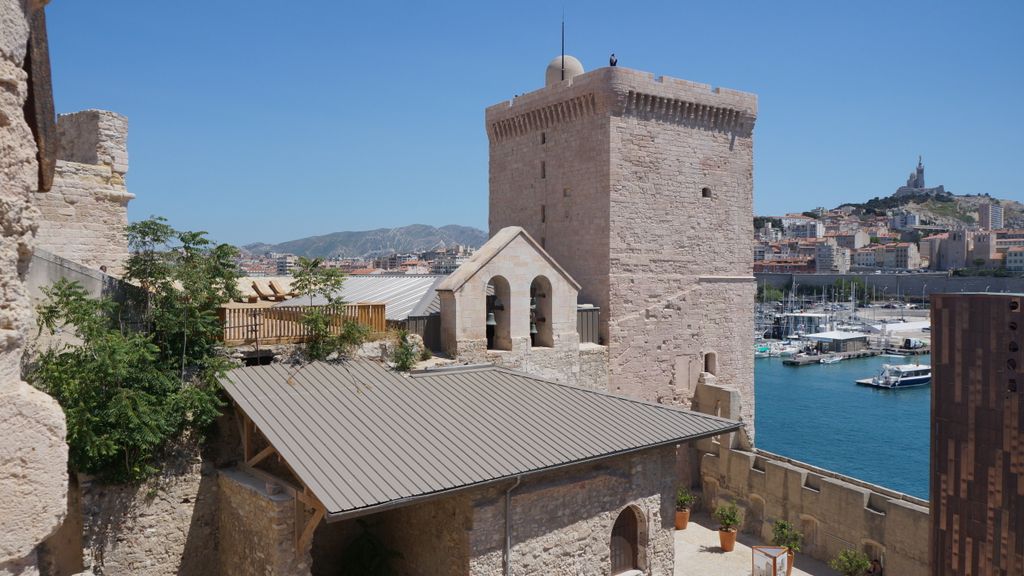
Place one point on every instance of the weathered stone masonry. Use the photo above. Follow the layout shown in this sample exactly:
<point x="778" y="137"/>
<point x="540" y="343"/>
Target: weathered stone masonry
<point x="33" y="456"/>
<point x="643" y="189"/>
<point x="83" y="216"/>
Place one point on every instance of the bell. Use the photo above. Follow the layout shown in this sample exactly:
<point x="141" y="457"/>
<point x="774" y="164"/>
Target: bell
<point x="533" y="303"/>
<point x="533" y="327"/>
<point x="498" y="305"/>
<point x="490" y="319"/>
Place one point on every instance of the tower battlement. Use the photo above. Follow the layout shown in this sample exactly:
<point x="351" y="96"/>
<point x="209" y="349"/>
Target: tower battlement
<point x="94" y="137"/>
<point x="624" y="92"/>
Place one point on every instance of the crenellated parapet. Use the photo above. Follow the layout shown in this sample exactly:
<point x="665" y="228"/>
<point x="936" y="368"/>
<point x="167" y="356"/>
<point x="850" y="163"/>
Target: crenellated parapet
<point x="624" y="92"/>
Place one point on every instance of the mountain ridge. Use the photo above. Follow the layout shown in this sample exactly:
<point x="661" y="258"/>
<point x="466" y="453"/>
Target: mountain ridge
<point x="377" y="242"/>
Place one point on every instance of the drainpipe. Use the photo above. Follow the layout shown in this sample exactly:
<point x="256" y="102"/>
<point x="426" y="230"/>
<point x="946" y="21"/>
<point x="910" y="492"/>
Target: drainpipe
<point x="506" y="557"/>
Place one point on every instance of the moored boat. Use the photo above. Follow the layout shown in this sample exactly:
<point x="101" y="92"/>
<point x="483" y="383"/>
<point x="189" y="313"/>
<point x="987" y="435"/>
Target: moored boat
<point x="900" y="376"/>
<point x="830" y="359"/>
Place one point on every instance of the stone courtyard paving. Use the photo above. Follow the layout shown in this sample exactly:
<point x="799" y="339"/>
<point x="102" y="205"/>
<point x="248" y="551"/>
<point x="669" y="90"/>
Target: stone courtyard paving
<point x="698" y="553"/>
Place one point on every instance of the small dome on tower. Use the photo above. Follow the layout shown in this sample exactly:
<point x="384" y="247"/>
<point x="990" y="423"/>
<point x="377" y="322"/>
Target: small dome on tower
<point x="573" y="67"/>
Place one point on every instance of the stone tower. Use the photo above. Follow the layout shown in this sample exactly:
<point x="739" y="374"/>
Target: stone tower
<point x="642" y="188"/>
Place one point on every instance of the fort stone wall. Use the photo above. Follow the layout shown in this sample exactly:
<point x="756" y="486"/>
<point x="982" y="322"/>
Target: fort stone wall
<point x="834" y="512"/>
<point x="33" y="455"/>
<point x="82" y="217"/>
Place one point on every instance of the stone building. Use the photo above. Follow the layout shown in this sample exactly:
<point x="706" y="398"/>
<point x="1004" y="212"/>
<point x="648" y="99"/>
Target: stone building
<point x="512" y="305"/>
<point x="33" y="455"/>
<point x="470" y="470"/>
<point x="977" y="458"/>
<point x="641" y="187"/>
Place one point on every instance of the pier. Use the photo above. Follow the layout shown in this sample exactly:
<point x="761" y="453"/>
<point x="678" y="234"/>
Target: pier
<point x="806" y="360"/>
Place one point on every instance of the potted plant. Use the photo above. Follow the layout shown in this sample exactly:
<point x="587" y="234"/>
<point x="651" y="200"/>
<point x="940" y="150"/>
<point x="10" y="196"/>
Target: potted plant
<point x="684" y="501"/>
<point x="785" y="535"/>
<point x="728" y="516"/>
<point x="851" y="563"/>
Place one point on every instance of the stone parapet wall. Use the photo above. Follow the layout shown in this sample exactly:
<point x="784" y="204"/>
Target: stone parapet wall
<point x="84" y="214"/>
<point x="833" y="511"/>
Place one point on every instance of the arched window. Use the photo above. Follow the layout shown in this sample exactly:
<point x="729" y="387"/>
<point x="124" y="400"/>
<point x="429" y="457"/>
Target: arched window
<point x="625" y="542"/>
<point x="540" y="313"/>
<point x="499" y="334"/>
<point x="711" y="363"/>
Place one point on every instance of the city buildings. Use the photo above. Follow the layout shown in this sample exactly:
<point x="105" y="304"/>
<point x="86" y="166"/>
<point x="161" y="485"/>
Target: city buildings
<point x="831" y="258"/>
<point x="990" y="216"/>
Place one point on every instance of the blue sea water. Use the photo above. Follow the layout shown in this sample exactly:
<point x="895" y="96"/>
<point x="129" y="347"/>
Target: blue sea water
<point x="816" y="414"/>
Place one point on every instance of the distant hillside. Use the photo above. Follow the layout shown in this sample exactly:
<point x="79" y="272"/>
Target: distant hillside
<point x="947" y="210"/>
<point x="372" y="243"/>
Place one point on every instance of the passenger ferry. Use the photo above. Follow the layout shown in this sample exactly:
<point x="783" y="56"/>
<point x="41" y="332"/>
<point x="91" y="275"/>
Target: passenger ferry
<point x="900" y="376"/>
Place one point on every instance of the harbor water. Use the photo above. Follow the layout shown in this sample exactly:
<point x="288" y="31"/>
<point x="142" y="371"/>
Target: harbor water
<point x="816" y="414"/>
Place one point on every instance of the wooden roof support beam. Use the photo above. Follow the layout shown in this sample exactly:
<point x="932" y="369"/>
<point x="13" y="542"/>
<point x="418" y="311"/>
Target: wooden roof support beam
<point x="304" y="538"/>
<point x="259" y="457"/>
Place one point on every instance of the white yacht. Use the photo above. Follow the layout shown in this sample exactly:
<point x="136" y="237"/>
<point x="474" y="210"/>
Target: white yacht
<point x="900" y="376"/>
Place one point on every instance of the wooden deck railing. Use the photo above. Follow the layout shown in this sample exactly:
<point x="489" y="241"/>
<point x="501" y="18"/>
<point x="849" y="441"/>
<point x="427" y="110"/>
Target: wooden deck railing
<point x="283" y="325"/>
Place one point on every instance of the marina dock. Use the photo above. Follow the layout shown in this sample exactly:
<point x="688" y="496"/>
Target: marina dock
<point x="806" y="360"/>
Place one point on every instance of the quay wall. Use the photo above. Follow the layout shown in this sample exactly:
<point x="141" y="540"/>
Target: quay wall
<point x="909" y="284"/>
<point x="833" y="511"/>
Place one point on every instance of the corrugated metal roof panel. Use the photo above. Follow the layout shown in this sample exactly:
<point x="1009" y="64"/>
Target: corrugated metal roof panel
<point x="401" y="293"/>
<point x="361" y="436"/>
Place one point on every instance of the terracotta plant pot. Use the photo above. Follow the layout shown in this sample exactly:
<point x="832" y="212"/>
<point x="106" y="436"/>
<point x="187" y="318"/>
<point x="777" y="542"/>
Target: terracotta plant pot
<point x="727" y="538"/>
<point x="789" y="563"/>
<point x="682" y="519"/>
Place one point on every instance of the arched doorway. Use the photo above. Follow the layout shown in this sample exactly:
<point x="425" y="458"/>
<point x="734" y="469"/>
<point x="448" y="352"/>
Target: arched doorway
<point x="625" y="542"/>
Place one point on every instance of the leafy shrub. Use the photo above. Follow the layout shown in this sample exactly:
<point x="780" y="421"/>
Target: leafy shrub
<point x="728" y="516"/>
<point x="404" y="354"/>
<point x="784" y="534"/>
<point x="121" y="402"/>
<point x="128" y="389"/>
<point x="851" y="563"/>
<point x="684" y="499"/>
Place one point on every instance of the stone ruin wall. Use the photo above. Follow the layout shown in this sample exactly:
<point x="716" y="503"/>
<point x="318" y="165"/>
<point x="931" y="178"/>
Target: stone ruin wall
<point x="33" y="455"/>
<point x="84" y="214"/>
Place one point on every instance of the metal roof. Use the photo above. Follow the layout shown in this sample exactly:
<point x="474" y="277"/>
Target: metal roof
<point x="364" y="438"/>
<point x="402" y="294"/>
<point x="836" y="335"/>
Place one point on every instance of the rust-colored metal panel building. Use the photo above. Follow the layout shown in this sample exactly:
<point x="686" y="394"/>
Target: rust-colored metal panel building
<point x="977" y="450"/>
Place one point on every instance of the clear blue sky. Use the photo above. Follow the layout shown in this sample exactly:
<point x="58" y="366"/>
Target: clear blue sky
<point x="268" y="121"/>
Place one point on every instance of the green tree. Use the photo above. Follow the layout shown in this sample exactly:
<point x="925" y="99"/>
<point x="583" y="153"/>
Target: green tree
<point x="329" y="330"/>
<point x="127" y="391"/>
<point x="185" y="279"/>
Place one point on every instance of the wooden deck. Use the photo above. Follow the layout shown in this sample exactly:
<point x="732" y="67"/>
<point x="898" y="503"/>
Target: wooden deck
<point x="244" y="324"/>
